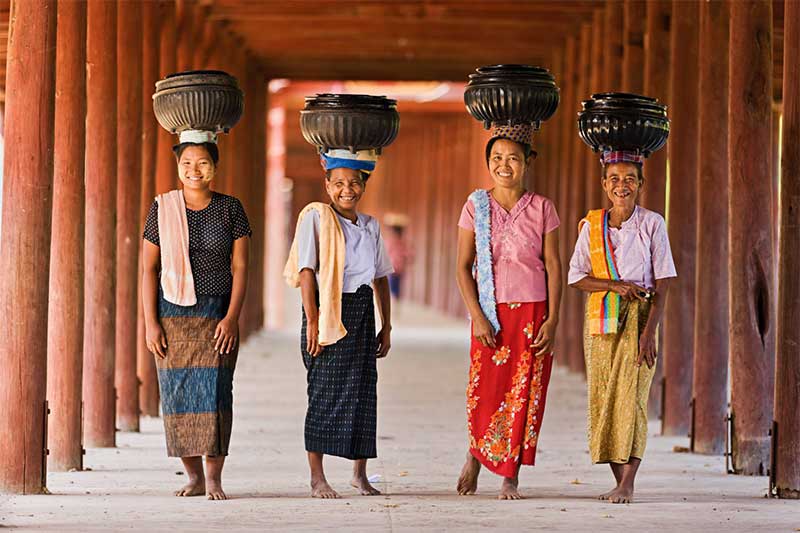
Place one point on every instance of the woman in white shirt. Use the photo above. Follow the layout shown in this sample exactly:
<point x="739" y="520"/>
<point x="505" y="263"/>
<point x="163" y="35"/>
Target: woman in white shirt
<point x="342" y="368"/>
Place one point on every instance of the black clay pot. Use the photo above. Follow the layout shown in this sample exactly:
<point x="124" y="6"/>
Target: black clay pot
<point x="511" y="94"/>
<point x="349" y="121"/>
<point x="198" y="100"/>
<point x="623" y="121"/>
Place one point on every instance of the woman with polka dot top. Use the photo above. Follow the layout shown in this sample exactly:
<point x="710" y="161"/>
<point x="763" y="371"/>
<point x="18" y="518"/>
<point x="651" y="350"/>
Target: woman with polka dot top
<point x="196" y="345"/>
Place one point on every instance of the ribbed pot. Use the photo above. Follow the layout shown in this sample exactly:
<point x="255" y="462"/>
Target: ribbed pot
<point x="349" y="121"/>
<point x="623" y="121"/>
<point x="511" y="94"/>
<point x="198" y="100"/>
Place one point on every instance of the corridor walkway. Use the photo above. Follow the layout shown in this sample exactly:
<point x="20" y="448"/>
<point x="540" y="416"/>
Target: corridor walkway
<point x="422" y="435"/>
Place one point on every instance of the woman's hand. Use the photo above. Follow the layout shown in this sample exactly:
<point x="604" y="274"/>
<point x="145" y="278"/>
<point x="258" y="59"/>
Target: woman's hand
<point x="544" y="340"/>
<point x="647" y="348"/>
<point x="384" y="341"/>
<point x="483" y="331"/>
<point x="226" y="335"/>
<point x="155" y="339"/>
<point x="312" y="338"/>
<point x="629" y="291"/>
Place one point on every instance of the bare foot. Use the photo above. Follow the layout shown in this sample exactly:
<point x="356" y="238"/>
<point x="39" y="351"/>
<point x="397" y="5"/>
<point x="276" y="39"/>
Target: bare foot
<point x="508" y="490"/>
<point x="605" y="495"/>
<point x="364" y="487"/>
<point x="622" y="494"/>
<point x="321" y="489"/>
<point x="195" y="487"/>
<point x="468" y="480"/>
<point x="215" y="491"/>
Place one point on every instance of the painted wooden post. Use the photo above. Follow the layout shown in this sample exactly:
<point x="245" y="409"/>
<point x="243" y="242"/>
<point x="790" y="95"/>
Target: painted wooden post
<point x="710" y="376"/>
<point x="65" y="310"/>
<point x="566" y="241"/>
<point x="101" y="209"/>
<point x="594" y="191"/>
<point x="145" y="364"/>
<point x="613" y="48"/>
<point x="166" y="168"/>
<point x="656" y="84"/>
<point x="129" y="176"/>
<point x="786" y="463"/>
<point x="633" y="46"/>
<point x="751" y="286"/>
<point x="678" y="328"/>
<point x="25" y="243"/>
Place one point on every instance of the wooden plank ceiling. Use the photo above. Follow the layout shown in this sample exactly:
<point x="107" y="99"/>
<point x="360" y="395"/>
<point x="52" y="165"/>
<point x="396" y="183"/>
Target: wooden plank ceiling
<point x="397" y="39"/>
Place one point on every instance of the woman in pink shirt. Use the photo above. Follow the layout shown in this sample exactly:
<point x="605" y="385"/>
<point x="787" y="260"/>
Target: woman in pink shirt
<point x="508" y="238"/>
<point x="623" y="261"/>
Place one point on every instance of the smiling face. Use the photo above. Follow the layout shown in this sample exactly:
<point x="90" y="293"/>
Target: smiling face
<point x="196" y="168"/>
<point x="507" y="164"/>
<point x="622" y="184"/>
<point x="345" y="186"/>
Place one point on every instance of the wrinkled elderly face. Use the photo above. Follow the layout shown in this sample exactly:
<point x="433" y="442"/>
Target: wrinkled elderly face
<point x="345" y="187"/>
<point x="622" y="184"/>
<point x="507" y="163"/>
<point x="196" y="169"/>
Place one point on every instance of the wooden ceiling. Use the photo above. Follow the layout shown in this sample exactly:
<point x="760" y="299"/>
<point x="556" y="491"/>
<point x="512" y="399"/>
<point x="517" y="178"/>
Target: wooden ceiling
<point x="397" y="39"/>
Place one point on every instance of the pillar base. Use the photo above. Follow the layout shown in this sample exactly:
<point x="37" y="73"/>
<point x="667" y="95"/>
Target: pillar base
<point x="751" y="456"/>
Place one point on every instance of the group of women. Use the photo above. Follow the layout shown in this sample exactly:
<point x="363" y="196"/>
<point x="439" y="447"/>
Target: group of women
<point x="509" y="275"/>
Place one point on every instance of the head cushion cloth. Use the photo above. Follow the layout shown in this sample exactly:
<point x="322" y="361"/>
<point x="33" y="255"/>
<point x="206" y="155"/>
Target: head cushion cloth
<point x="519" y="133"/>
<point x="363" y="160"/>
<point x="610" y="157"/>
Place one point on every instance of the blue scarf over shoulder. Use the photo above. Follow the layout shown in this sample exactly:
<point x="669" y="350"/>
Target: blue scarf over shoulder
<point x="484" y="275"/>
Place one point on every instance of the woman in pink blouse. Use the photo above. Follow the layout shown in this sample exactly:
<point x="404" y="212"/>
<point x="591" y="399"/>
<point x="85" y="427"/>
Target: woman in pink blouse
<point x="623" y="261"/>
<point x="509" y="275"/>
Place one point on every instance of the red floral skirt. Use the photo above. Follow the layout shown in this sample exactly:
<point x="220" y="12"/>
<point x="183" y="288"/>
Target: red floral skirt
<point x="507" y="390"/>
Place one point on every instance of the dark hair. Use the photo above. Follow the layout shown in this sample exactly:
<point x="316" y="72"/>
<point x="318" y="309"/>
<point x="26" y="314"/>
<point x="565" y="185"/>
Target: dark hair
<point x="364" y="175"/>
<point x="526" y="148"/>
<point x="211" y="148"/>
<point x="639" y="171"/>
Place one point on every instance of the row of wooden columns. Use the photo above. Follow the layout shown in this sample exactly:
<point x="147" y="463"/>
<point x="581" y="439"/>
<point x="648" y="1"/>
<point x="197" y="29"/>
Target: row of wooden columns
<point x="74" y="202"/>
<point x="719" y="208"/>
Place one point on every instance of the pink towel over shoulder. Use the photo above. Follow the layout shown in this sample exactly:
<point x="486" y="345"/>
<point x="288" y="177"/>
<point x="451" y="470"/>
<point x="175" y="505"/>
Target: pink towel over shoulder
<point x="177" y="281"/>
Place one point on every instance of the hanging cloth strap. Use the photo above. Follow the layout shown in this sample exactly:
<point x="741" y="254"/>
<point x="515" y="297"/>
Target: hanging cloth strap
<point x="603" y="307"/>
<point x="482" y="271"/>
<point x="177" y="281"/>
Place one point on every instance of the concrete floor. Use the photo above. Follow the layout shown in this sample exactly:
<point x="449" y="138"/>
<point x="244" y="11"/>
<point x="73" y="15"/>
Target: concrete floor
<point x="421" y="446"/>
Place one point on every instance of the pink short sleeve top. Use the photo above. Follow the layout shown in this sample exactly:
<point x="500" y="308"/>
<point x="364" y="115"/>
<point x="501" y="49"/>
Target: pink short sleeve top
<point x="517" y="241"/>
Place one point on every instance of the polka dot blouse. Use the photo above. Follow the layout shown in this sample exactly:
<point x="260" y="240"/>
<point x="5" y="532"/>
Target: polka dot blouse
<point x="212" y="231"/>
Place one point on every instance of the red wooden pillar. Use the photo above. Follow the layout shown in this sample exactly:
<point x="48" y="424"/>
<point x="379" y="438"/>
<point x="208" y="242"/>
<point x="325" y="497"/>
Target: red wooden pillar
<point x="65" y="311"/>
<point x="101" y="199"/>
<point x="145" y="364"/>
<point x="258" y="213"/>
<point x="786" y="463"/>
<point x="678" y="326"/>
<point x="633" y="46"/>
<point x="751" y="289"/>
<point x="577" y="197"/>
<point x="563" y="204"/>
<point x="613" y="49"/>
<point x="594" y="190"/>
<point x="656" y="84"/>
<point x="129" y="175"/>
<point x="710" y="376"/>
<point x="25" y="243"/>
<point x="184" y="18"/>
<point x="277" y="224"/>
<point x="166" y="168"/>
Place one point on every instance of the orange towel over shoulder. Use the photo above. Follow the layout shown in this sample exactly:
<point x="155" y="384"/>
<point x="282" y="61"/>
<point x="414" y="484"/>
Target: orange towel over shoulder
<point x="330" y="275"/>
